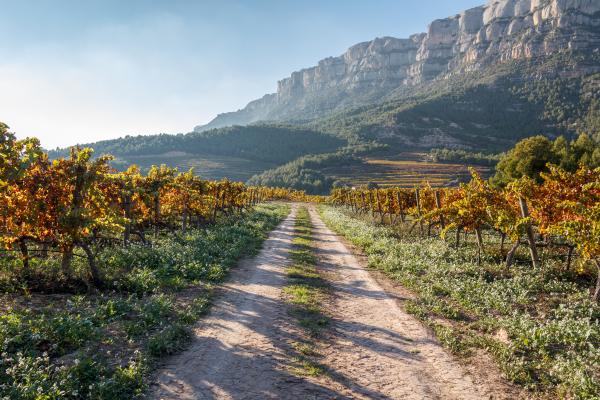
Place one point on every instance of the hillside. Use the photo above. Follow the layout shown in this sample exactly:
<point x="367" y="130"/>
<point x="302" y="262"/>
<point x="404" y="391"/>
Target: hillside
<point x="235" y="152"/>
<point x="487" y="110"/>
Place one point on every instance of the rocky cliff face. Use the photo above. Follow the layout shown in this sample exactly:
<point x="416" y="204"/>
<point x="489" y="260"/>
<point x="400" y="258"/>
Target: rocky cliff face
<point x="381" y="62"/>
<point x="501" y="30"/>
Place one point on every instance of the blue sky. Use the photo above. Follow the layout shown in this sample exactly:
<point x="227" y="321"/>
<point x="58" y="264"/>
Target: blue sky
<point x="74" y="71"/>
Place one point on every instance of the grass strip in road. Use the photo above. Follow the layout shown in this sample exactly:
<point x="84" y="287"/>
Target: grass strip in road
<point x="305" y="293"/>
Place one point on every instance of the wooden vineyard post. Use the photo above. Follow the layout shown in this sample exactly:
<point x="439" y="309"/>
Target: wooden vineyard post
<point x="223" y="204"/>
<point x="216" y="205"/>
<point x="363" y="204"/>
<point x="530" y="237"/>
<point x="156" y="214"/>
<point x="390" y="199"/>
<point x="376" y="200"/>
<point x="438" y="204"/>
<point x="379" y="208"/>
<point x="184" y="217"/>
<point x="400" y="209"/>
<point x="418" y="199"/>
<point x="347" y="201"/>
<point x="127" y="231"/>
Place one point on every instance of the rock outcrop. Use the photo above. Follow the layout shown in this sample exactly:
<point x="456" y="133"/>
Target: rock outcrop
<point x="381" y="62"/>
<point x="500" y="31"/>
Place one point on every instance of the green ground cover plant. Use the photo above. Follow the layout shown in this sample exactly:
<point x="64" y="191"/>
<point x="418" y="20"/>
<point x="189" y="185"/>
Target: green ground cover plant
<point x="539" y="324"/>
<point x="104" y="344"/>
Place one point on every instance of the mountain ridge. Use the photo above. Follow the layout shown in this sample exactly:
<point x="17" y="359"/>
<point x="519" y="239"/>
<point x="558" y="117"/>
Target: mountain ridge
<point x="498" y="32"/>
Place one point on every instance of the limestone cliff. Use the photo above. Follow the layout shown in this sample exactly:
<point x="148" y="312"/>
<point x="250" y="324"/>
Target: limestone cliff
<point x="500" y="31"/>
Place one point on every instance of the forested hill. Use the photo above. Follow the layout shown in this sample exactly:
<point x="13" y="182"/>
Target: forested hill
<point x="234" y="152"/>
<point x="485" y="110"/>
<point x="275" y="144"/>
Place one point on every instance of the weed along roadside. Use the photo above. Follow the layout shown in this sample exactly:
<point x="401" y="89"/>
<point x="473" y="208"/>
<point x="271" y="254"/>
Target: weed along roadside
<point x="305" y="293"/>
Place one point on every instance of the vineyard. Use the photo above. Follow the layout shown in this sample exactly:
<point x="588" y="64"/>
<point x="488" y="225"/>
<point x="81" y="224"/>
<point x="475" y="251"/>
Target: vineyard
<point x="404" y="170"/>
<point x="412" y="218"/>
<point x="504" y="277"/>
<point x="77" y="206"/>
<point x="103" y="273"/>
<point x="562" y="212"/>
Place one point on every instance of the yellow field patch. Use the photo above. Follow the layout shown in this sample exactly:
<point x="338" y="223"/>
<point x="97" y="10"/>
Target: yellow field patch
<point x="403" y="170"/>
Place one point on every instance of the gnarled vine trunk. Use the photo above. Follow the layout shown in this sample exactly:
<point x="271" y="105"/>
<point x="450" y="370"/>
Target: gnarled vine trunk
<point x="66" y="261"/>
<point x="510" y="257"/>
<point x="530" y="236"/>
<point x="95" y="273"/>
<point x="479" y="244"/>
<point x="457" y="237"/>
<point x="596" y="296"/>
<point x="24" y="256"/>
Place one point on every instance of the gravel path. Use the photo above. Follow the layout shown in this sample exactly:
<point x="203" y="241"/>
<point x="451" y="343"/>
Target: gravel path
<point x="374" y="350"/>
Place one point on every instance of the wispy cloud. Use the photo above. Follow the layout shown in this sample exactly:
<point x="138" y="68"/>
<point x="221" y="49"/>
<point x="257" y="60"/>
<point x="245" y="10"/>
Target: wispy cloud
<point x="119" y="79"/>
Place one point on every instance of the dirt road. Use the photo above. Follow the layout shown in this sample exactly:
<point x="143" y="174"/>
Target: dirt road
<point x="373" y="350"/>
<point x="378" y="349"/>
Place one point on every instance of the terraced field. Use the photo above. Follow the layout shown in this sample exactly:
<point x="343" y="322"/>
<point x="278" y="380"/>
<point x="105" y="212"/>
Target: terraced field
<point x="403" y="170"/>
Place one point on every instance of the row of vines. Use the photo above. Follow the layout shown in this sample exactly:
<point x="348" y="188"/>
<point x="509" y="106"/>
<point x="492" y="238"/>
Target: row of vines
<point x="80" y="204"/>
<point x="561" y="211"/>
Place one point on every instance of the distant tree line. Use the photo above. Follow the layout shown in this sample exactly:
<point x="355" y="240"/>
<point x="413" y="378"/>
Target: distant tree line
<point x="464" y="157"/>
<point x="269" y="143"/>
<point x="531" y="156"/>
